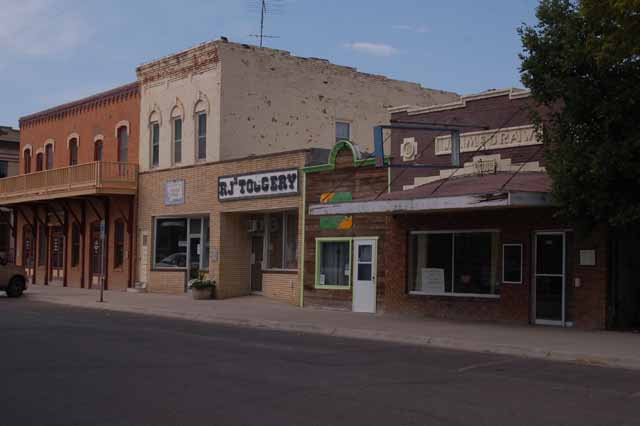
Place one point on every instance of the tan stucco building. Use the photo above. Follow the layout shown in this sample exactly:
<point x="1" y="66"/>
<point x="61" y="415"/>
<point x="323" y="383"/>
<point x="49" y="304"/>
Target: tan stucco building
<point x="224" y="114"/>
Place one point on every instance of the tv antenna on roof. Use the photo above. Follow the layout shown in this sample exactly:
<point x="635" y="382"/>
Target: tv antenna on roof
<point x="266" y="7"/>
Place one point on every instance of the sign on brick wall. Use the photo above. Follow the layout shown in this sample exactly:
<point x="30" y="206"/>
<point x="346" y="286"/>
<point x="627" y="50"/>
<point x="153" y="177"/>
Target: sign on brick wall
<point x="174" y="192"/>
<point x="255" y="185"/>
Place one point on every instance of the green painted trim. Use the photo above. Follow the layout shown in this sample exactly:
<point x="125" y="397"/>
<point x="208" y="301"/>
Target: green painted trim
<point x="331" y="164"/>
<point x="317" y="274"/>
<point x="304" y="227"/>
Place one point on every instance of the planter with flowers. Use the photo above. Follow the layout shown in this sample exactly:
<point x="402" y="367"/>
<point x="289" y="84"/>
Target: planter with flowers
<point x="202" y="287"/>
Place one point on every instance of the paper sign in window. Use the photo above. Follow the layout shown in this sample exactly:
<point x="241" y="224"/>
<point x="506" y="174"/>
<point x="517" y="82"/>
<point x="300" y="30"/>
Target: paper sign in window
<point x="432" y="280"/>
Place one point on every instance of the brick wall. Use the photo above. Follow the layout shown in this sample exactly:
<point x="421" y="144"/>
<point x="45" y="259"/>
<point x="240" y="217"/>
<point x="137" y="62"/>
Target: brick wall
<point x="229" y="239"/>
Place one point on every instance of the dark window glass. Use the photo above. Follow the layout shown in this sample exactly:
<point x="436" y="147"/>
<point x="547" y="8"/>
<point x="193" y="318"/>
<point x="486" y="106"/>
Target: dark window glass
<point x="171" y="243"/>
<point x="275" y="240"/>
<point x="334" y="263"/>
<point x="97" y="151"/>
<point x="73" y="152"/>
<point x="39" y="162"/>
<point x="177" y="140"/>
<point x="155" y="144"/>
<point x="202" y="135"/>
<point x="512" y="263"/>
<point x="123" y="144"/>
<point x="75" y="244"/>
<point x="49" y="156"/>
<point x="550" y="254"/>
<point x="118" y="255"/>
<point x="291" y="241"/>
<point x="27" y="161"/>
<point x="4" y="168"/>
<point x="453" y="263"/>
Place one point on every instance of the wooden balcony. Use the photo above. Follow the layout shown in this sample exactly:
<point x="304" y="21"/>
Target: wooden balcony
<point x="97" y="178"/>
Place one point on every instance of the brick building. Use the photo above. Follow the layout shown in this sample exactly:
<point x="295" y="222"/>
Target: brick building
<point x="470" y="239"/>
<point x="9" y="159"/>
<point x="224" y="115"/>
<point x="78" y="168"/>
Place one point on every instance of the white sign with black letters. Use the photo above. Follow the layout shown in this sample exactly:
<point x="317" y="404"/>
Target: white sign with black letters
<point x="254" y="185"/>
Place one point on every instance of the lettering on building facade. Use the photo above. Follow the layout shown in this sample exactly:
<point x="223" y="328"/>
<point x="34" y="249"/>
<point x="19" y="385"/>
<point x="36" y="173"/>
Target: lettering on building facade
<point x="509" y="137"/>
<point x="254" y="185"/>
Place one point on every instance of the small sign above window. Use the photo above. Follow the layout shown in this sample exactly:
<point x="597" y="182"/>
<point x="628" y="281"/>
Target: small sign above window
<point x="255" y="185"/>
<point x="587" y="258"/>
<point x="512" y="263"/>
<point x="174" y="192"/>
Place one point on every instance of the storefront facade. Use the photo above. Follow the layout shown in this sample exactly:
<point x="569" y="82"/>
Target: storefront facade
<point x="237" y="221"/>
<point x="475" y="242"/>
<point x="78" y="178"/>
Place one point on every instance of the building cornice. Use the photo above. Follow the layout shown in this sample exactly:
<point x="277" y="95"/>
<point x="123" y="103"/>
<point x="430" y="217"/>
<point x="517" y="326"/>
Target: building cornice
<point x="117" y="94"/>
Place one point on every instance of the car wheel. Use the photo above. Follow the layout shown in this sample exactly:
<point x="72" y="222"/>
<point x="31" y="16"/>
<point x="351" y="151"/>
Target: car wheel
<point x="16" y="287"/>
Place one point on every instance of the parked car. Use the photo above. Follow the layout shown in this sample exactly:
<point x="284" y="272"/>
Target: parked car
<point x="175" y="260"/>
<point x="13" y="279"/>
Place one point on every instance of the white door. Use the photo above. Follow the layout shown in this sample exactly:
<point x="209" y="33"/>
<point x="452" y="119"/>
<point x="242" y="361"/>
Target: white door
<point x="364" y="280"/>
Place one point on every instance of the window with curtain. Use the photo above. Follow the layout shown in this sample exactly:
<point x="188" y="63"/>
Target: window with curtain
<point x="177" y="140"/>
<point x="202" y="136"/>
<point x="39" y="162"/>
<point x="118" y="244"/>
<point x="454" y="262"/>
<point x="334" y="263"/>
<point x="73" y="152"/>
<point x="97" y="150"/>
<point x="27" y="161"/>
<point x="75" y="244"/>
<point x="155" y="144"/>
<point x="49" y="156"/>
<point x="123" y="144"/>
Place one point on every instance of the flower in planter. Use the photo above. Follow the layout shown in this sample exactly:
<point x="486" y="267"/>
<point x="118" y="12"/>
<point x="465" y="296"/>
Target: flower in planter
<point x="202" y="282"/>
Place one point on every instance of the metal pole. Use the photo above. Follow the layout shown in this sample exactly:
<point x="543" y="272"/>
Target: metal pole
<point x="102" y="253"/>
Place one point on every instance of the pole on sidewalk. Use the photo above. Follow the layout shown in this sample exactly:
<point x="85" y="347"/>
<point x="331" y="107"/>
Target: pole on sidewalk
<point x="102" y="227"/>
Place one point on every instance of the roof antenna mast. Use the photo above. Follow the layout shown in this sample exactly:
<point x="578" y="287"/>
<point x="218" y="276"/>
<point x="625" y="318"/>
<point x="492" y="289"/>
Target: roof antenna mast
<point x="267" y="7"/>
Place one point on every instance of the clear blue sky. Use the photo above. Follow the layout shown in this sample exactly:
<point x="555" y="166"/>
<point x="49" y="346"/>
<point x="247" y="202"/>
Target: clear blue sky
<point x="54" y="51"/>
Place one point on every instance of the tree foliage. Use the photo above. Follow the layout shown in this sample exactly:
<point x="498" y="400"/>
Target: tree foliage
<point x="582" y="60"/>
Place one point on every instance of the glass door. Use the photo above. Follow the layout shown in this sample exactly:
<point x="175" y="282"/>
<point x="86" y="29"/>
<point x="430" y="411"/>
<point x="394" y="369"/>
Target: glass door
<point x="550" y="278"/>
<point x="195" y="247"/>
<point x="257" y="257"/>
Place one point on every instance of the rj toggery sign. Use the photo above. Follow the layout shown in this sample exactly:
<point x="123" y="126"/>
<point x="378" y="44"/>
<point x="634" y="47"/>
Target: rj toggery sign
<point x="254" y="185"/>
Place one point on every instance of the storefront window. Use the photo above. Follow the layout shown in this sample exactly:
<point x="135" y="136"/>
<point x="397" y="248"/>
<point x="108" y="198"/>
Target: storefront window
<point x="171" y="243"/>
<point x="454" y="263"/>
<point x="333" y="265"/>
<point x="282" y="237"/>
<point x="182" y="243"/>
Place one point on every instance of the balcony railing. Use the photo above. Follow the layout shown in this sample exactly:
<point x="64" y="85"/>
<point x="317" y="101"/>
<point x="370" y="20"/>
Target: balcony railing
<point x="99" y="177"/>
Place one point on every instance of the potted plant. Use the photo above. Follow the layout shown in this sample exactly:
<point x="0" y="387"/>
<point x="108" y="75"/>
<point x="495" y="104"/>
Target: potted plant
<point x="202" y="287"/>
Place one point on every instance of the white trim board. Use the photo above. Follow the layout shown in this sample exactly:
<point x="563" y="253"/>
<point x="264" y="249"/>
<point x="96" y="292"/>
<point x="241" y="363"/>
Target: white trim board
<point x="510" y="199"/>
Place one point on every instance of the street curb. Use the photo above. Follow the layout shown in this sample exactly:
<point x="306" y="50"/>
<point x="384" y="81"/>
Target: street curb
<point x="372" y="335"/>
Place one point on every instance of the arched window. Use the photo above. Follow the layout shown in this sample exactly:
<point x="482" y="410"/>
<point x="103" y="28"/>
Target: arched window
<point x="49" y="156"/>
<point x="123" y="144"/>
<point x="201" y="130"/>
<point x="39" y="162"/>
<point x="73" y="152"/>
<point x="26" y="158"/>
<point x="97" y="150"/>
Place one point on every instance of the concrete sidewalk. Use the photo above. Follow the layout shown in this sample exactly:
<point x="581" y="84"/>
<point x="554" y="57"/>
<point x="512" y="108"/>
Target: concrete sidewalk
<point x="591" y="347"/>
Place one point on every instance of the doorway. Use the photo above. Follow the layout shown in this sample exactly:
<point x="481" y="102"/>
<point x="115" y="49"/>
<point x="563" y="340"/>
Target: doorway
<point x="257" y="257"/>
<point x="57" y="257"/>
<point x="364" y="279"/>
<point x="624" y="293"/>
<point x="549" y="278"/>
<point x="96" y="256"/>
<point x="195" y="247"/>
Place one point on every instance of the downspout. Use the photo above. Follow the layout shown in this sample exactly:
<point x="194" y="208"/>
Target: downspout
<point x="304" y="227"/>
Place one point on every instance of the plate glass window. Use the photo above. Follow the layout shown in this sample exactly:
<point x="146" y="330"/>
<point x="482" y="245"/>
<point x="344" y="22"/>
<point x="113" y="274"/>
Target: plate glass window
<point x="171" y="243"/>
<point x="282" y="240"/>
<point x="454" y="262"/>
<point x="334" y="266"/>
<point x="343" y="130"/>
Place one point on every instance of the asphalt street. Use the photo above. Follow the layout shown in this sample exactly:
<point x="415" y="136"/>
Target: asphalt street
<point x="68" y="366"/>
